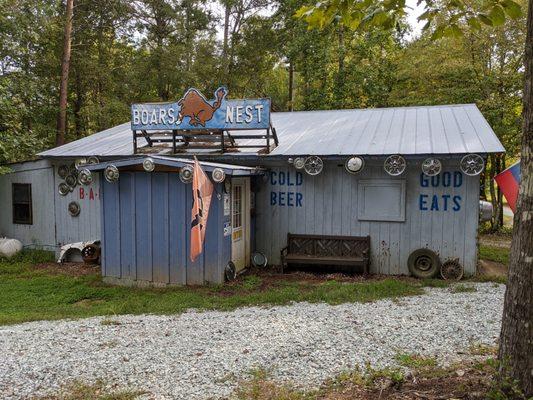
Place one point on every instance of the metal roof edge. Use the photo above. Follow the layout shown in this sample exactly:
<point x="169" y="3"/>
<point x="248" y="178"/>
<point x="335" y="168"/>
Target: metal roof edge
<point x="378" y="108"/>
<point x="178" y="163"/>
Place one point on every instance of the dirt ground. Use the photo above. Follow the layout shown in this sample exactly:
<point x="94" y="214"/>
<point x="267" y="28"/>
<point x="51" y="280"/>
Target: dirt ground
<point x="497" y="240"/>
<point x="473" y="381"/>
<point x="69" y="268"/>
<point x="492" y="268"/>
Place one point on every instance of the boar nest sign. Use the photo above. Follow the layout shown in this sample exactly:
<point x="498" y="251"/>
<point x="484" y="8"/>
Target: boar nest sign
<point x="194" y="112"/>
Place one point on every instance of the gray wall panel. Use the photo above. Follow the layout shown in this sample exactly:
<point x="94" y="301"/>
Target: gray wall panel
<point x="86" y="226"/>
<point x="41" y="234"/>
<point x="329" y="206"/>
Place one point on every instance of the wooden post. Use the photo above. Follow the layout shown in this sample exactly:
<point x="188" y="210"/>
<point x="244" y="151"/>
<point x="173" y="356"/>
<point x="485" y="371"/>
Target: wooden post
<point x="174" y="141"/>
<point x="134" y="141"/>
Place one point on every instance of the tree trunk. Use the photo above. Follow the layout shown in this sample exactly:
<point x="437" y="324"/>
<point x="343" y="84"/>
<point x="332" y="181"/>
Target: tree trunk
<point x="225" y="45"/>
<point x="499" y="194"/>
<point x="492" y="190"/>
<point x="78" y="105"/>
<point x="65" y="64"/>
<point x="516" y="338"/>
<point x="291" y="86"/>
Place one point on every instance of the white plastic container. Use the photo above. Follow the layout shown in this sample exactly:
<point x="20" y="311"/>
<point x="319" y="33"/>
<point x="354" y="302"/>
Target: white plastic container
<point x="9" y="247"/>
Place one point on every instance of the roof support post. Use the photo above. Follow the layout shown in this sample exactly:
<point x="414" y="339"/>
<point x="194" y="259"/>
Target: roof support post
<point x="174" y="132"/>
<point x="134" y="141"/>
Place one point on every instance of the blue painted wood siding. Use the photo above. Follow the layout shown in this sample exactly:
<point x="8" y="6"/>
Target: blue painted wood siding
<point x="146" y="231"/>
<point x="328" y="204"/>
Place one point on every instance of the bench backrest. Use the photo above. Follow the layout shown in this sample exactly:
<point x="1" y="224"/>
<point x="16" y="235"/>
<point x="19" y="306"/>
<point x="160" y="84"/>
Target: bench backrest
<point x="328" y="246"/>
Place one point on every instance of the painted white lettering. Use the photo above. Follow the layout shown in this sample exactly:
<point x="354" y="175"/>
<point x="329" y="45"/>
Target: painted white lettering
<point x="249" y="116"/>
<point x="259" y="108"/>
<point x="136" y="117"/>
<point x="144" y="117"/>
<point x="171" y="115"/>
<point x="162" y="116"/>
<point x="229" y="114"/>
<point x="153" y="118"/>
<point x="238" y="114"/>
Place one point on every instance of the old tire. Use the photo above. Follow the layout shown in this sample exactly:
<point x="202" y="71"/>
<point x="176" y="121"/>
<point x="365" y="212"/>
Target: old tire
<point x="230" y="272"/>
<point x="90" y="254"/>
<point x="424" y="263"/>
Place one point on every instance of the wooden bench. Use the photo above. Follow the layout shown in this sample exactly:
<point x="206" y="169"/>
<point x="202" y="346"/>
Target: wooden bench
<point x="327" y="250"/>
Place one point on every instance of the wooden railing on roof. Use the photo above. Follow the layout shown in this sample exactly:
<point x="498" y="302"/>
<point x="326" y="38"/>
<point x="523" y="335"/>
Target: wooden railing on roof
<point x="219" y="141"/>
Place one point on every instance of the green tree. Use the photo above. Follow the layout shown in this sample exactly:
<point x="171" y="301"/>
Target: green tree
<point x="448" y="19"/>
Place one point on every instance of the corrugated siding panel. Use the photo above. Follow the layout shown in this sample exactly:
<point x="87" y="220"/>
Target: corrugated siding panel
<point x="112" y="230"/>
<point x="330" y="204"/>
<point x="127" y="225"/>
<point x="147" y="231"/>
<point x="160" y="227"/>
<point x="41" y="234"/>
<point x="178" y="217"/>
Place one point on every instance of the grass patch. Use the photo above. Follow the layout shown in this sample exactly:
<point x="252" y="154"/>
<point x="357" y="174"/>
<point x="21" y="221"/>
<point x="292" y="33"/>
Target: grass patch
<point x="479" y="349"/>
<point x="96" y="391"/>
<point x="415" y="361"/>
<point x="29" y="294"/>
<point x="475" y="381"/>
<point x="460" y="288"/>
<point x="496" y="254"/>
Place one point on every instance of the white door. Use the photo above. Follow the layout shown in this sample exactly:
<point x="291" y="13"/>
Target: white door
<point x="240" y="222"/>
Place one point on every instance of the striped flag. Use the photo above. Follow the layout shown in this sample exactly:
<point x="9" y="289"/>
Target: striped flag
<point x="202" y="190"/>
<point x="509" y="182"/>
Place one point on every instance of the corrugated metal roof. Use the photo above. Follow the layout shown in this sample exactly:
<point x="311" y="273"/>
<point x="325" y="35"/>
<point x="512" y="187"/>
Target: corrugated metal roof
<point x="113" y="142"/>
<point x="447" y="129"/>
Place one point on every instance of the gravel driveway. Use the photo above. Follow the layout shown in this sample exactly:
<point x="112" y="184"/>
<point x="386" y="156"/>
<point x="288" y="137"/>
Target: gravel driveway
<point x="199" y="355"/>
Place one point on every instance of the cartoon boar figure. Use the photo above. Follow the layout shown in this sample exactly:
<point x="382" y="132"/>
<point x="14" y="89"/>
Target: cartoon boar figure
<point x="194" y="105"/>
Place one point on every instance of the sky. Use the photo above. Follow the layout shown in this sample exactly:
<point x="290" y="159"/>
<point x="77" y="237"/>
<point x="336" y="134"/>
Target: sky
<point x="413" y="14"/>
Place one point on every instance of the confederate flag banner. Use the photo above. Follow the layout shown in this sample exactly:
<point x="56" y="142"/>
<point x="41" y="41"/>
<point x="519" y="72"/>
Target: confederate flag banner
<point x="509" y="182"/>
<point x="202" y="190"/>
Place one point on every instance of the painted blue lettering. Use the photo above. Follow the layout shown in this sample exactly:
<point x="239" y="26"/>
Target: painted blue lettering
<point x="299" y="178"/>
<point x="446" y="197"/>
<point x="281" y="178"/>
<point x="424" y="180"/>
<point x="435" y="180"/>
<point x="457" y="179"/>
<point x="272" y="177"/>
<point x="422" y="202"/>
<point x="272" y="198"/>
<point x="290" y="199"/>
<point x="456" y="203"/>
<point x="299" y="198"/>
<point x="446" y="179"/>
<point x="289" y="183"/>
<point x="281" y="198"/>
<point x="435" y="203"/>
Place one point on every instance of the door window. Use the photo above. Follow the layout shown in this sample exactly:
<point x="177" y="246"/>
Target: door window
<point x="237" y="212"/>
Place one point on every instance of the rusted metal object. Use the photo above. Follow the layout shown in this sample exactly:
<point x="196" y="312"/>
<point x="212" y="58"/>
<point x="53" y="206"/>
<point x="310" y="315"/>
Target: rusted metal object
<point x="452" y="270"/>
<point x="91" y="253"/>
<point x="88" y="252"/>
<point x="327" y="250"/>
